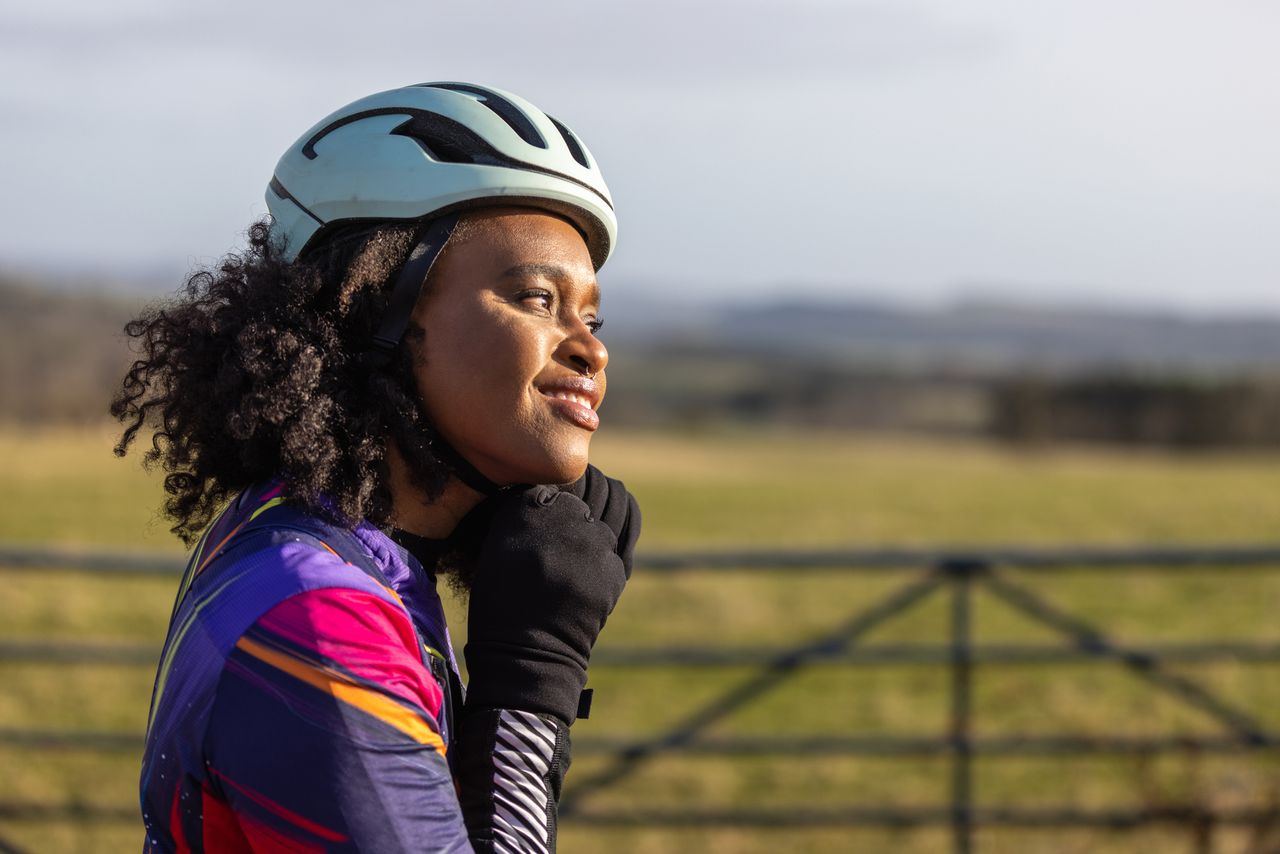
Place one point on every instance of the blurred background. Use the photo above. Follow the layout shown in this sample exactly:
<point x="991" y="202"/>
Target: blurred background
<point x="897" y="283"/>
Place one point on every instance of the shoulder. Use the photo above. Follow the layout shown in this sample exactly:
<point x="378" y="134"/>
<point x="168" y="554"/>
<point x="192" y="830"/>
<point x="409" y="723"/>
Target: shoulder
<point x="353" y="635"/>
<point x="257" y="568"/>
<point x="292" y="581"/>
<point x="309" y="602"/>
<point x="333" y="661"/>
<point x="324" y="727"/>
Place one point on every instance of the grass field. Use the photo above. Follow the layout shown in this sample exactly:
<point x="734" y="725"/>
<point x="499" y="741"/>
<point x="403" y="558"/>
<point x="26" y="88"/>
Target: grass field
<point x="736" y="490"/>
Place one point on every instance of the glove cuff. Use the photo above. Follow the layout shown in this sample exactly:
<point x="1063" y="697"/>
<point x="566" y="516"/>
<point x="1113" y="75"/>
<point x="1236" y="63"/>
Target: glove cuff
<point x="503" y="677"/>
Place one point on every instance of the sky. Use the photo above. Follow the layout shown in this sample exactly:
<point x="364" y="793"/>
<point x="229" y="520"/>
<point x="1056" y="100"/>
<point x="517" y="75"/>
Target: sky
<point x="1121" y="153"/>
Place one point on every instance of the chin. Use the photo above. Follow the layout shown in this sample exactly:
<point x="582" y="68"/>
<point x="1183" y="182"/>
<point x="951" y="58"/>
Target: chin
<point x="560" y="469"/>
<point x="541" y="465"/>
<point x="570" y="473"/>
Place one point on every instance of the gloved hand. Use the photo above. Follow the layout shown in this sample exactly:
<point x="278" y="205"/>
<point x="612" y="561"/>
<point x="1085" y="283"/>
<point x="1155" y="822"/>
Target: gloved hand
<point x="548" y="573"/>
<point x="610" y="502"/>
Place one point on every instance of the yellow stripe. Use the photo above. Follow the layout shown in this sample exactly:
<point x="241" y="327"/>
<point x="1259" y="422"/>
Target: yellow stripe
<point x="195" y="556"/>
<point x="162" y="678"/>
<point x="189" y="575"/>
<point x="374" y="703"/>
<point x="265" y="507"/>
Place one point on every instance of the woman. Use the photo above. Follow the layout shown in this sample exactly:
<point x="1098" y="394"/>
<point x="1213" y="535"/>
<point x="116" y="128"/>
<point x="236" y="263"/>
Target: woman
<point x="378" y="391"/>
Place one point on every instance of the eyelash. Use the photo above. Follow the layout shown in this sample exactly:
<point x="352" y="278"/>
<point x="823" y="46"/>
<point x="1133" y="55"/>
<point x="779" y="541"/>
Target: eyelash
<point x="595" y="324"/>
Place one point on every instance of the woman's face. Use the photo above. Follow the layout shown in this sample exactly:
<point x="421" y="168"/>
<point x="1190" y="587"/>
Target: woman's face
<point x="510" y="369"/>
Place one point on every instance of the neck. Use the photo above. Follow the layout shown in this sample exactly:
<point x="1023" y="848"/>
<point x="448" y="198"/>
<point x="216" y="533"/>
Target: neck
<point x="412" y="512"/>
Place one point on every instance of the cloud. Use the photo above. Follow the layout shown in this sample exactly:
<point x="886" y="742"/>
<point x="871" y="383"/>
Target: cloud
<point x="911" y="142"/>
<point x="634" y="45"/>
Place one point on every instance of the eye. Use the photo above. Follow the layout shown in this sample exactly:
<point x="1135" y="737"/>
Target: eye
<point x="595" y="324"/>
<point x="536" y="297"/>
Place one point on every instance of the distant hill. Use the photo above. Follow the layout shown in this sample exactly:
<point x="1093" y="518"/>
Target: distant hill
<point x="975" y="337"/>
<point x="62" y="355"/>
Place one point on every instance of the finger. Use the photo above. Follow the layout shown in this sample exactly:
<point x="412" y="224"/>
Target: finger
<point x="630" y="534"/>
<point x="615" y="508"/>
<point x="545" y="495"/>
<point x="595" y="491"/>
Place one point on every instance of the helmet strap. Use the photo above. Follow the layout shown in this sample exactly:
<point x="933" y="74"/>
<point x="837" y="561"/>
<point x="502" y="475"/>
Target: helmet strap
<point x="431" y="239"/>
<point x="404" y="294"/>
<point x="462" y="468"/>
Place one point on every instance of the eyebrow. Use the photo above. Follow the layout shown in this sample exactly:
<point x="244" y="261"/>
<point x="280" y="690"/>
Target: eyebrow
<point x="551" y="271"/>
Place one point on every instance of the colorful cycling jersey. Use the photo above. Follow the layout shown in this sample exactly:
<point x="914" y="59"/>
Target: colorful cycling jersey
<point x="304" y="699"/>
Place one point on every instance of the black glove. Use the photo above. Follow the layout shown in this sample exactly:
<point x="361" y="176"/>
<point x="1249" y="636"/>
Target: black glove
<point x="548" y="573"/>
<point x="610" y="503"/>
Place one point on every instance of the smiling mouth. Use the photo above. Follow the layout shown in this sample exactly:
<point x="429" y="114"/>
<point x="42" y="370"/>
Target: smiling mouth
<point x="575" y="400"/>
<point x="580" y="399"/>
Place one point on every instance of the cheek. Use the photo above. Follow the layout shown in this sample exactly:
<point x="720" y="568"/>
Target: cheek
<point x="475" y="376"/>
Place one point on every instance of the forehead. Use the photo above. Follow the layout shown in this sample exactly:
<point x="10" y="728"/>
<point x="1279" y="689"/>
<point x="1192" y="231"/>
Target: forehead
<point x="524" y="236"/>
<point x="505" y="248"/>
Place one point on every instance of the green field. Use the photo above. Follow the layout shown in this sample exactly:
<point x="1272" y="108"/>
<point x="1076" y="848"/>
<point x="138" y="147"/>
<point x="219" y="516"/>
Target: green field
<point x="751" y="490"/>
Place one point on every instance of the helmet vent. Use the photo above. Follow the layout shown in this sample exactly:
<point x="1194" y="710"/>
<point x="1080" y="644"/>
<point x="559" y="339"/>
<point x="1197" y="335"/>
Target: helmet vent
<point x="448" y="141"/>
<point x="575" y="147"/>
<point x="456" y="134"/>
<point x="504" y="109"/>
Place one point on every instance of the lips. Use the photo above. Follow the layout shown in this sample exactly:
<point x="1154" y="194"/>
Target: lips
<point x="575" y="399"/>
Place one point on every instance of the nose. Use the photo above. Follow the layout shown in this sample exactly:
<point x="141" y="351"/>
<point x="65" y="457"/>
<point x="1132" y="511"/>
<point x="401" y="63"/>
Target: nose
<point x="583" y="351"/>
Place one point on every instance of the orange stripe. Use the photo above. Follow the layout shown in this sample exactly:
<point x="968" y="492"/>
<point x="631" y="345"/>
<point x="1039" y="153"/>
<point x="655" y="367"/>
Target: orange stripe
<point x="265" y="506"/>
<point x="394" y="594"/>
<point x="212" y="554"/>
<point x="367" y="700"/>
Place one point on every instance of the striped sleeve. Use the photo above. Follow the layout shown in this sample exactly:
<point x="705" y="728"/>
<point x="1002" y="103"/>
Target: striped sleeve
<point x="323" y="734"/>
<point x="510" y="767"/>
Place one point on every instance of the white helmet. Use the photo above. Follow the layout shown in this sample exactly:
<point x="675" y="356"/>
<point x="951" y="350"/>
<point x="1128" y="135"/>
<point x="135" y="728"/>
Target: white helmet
<point x="436" y="148"/>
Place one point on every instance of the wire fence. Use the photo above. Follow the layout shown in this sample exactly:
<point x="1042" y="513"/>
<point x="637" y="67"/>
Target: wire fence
<point x="953" y="574"/>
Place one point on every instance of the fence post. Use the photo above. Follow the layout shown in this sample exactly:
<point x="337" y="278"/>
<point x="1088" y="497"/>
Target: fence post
<point x="960" y="574"/>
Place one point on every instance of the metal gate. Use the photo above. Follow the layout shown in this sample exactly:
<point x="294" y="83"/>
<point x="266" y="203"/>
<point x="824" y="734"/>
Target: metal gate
<point x="955" y="575"/>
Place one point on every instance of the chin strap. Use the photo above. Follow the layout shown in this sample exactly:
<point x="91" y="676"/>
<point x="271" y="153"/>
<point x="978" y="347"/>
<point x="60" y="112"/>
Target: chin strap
<point x="462" y="468"/>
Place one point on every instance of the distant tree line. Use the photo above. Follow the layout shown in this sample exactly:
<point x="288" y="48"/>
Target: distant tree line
<point x="62" y="356"/>
<point x="1176" y="412"/>
<point x="1117" y="406"/>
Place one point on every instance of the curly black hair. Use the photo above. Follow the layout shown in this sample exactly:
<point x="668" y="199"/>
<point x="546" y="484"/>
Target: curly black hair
<point x="256" y="369"/>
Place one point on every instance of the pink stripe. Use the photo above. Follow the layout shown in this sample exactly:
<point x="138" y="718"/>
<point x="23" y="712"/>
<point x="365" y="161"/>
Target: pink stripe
<point x="363" y="633"/>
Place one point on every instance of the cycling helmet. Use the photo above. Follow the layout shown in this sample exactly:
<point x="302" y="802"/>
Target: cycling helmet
<point x="431" y="150"/>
